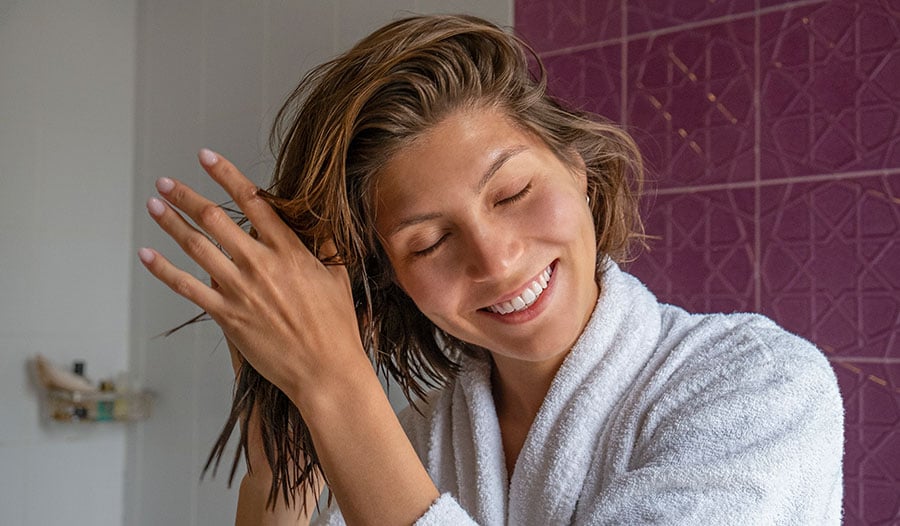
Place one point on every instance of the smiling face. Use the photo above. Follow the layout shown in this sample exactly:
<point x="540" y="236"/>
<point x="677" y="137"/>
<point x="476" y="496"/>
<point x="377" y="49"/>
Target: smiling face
<point x="491" y="236"/>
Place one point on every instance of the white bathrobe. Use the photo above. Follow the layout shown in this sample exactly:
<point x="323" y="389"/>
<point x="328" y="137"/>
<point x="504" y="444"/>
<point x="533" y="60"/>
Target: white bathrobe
<point x="656" y="416"/>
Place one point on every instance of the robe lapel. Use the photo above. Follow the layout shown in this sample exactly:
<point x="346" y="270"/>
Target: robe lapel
<point x="476" y="439"/>
<point x="569" y="428"/>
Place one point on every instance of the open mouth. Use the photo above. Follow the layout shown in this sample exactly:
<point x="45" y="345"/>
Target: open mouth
<point x="527" y="297"/>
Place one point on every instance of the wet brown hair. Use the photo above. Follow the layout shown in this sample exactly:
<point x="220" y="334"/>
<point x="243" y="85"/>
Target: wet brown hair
<point x="340" y="126"/>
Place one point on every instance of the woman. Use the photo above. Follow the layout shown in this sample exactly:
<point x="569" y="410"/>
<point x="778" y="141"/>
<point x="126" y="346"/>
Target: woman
<point x="435" y="209"/>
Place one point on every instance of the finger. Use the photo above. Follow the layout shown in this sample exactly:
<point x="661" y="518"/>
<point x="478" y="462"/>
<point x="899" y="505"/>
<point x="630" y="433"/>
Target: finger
<point x="244" y="194"/>
<point x="237" y="359"/>
<point x="194" y="243"/>
<point x="207" y="215"/>
<point x="181" y="282"/>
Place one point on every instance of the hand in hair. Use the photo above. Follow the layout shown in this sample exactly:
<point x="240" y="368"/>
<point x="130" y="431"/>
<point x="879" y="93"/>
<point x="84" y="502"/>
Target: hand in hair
<point x="291" y="316"/>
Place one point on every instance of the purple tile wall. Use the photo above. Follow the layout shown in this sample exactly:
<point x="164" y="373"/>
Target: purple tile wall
<point x="772" y="132"/>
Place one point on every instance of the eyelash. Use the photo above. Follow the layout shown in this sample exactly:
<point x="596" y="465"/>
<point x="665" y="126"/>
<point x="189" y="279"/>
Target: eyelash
<point x="432" y="248"/>
<point x="521" y="195"/>
<point x="509" y="200"/>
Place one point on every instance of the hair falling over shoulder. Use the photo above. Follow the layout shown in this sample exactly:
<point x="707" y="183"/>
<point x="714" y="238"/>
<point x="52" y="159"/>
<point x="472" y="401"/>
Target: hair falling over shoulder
<point x="339" y="127"/>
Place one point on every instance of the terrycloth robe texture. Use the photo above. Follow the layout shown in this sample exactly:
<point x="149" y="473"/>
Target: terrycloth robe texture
<point x="656" y="416"/>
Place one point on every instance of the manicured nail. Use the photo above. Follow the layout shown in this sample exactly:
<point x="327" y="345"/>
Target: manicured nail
<point x="208" y="157"/>
<point x="155" y="206"/>
<point x="146" y="255"/>
<point x="165" y="185"/>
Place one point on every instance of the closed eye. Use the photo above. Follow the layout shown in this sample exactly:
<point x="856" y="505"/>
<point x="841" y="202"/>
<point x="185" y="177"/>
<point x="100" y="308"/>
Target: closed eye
<point x="519" y="196"/>
<point x="431" y="249"/>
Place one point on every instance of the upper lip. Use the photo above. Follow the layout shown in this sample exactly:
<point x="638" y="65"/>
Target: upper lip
<point x="512" y="295"/>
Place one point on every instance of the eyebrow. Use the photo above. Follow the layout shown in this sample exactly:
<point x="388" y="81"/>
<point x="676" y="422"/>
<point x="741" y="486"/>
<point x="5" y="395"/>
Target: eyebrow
<point x="501" y="159"/>
<point x="504" y="156"/>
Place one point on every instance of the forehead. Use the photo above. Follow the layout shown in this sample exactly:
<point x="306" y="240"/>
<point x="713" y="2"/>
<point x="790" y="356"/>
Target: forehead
<point x="452" y="156"/>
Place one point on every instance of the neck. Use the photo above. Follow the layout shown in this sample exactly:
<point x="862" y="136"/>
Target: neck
<point x="520" y="387"/>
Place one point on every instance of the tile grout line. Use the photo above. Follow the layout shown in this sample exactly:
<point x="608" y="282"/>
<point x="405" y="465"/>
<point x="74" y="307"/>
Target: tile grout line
<point x="265" y="85"/>
<point x="757" y="170"/>
<point x="132" y="502"/>
<point x="581" y="47"/>
<point x="625" y="38"/>
<point x="865" y="359"/>
<point x="744" y="185"/>
<point x="734" y="17"/>
<point x="623" y="66"/>
<point x="205" y="31"/>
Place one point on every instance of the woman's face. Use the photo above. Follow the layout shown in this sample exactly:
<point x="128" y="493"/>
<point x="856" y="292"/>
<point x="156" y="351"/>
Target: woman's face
<point x="475" y="216"/>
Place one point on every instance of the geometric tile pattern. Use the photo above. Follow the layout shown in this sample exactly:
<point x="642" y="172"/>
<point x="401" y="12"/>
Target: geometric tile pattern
<point x="772" y="131"/>
<point x="872" y="444"/>
<point x="703" y="254"/>
<point x="649" y="15"/>
<point x="566" y="23"/>
<point x="830" y="263"/>
<point x="589" y="80"/>
<point x="690" y="99"/>
<point x="830" y="89"/>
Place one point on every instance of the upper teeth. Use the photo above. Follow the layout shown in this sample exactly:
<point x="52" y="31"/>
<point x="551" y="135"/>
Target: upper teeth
<point x="527" y="297"/>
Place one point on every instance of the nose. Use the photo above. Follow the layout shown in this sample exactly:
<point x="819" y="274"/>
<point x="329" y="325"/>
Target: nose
<point x="492" y="252"/>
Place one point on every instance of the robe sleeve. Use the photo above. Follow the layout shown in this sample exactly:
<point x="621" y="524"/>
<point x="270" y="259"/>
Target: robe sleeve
<point x="444" y="511"/>
<point x="753" y="437"/>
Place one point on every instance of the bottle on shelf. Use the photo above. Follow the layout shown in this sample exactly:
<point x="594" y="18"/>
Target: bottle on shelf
<point x="70" y="397"/>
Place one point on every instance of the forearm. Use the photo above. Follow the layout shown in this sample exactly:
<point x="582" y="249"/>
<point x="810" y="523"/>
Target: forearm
<point x="372" y="468"/>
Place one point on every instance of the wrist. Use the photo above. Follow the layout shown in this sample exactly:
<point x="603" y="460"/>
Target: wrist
<point x="324" y="389"/>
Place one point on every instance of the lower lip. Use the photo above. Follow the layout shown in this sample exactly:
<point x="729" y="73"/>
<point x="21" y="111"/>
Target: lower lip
<point x="534" y="310"/>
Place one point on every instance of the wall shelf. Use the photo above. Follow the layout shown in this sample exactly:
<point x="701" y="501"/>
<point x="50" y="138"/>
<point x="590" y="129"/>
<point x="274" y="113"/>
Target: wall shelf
<point x="75" y="406"/>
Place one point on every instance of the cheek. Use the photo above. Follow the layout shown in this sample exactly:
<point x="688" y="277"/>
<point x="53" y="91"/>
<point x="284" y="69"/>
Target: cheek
<point x="560" y="216"/>
<point x="430" y="289"/>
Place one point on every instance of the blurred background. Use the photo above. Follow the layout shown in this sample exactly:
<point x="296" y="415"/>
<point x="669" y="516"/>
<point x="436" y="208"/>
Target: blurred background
<point x="771" y="130"/>
<point x="99" y="98"/>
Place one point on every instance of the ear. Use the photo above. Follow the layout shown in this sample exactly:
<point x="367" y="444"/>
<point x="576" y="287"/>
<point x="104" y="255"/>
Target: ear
<point x="579" y="168"/>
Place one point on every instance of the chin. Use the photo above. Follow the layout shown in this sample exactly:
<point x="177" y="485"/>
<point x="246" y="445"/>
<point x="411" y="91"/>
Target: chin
<point x="558" y="343"/>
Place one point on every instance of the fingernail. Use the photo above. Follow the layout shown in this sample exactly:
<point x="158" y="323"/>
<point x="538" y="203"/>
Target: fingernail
<point x="146" y="255"/>
<point x="208" y="157"/>
<point x="165" y="185"/>
<point x="155" y="206"/>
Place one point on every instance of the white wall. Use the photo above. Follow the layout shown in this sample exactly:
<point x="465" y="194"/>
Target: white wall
<point x="67" y="87"/>
<point x="213" y="74"/>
